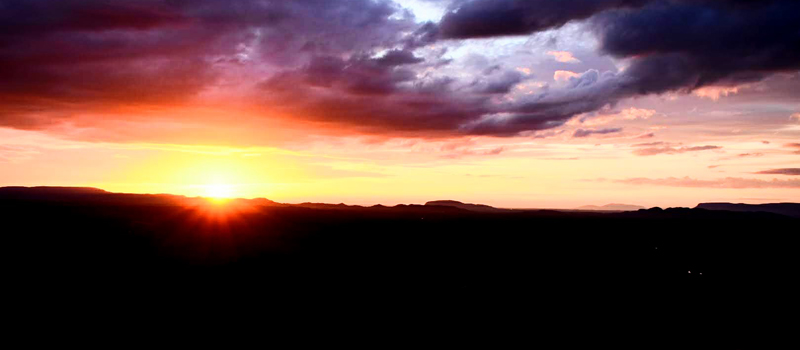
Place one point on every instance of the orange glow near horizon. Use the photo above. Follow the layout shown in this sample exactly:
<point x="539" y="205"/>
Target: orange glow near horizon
<point x="559" y="172"/>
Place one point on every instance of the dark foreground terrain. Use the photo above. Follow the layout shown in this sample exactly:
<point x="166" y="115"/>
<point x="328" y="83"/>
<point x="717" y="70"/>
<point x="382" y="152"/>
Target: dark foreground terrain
<point x="683" y="270"/>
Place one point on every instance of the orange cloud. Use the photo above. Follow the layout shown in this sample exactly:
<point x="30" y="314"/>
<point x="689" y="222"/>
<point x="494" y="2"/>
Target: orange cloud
<point x="715" y="92"/>
<point x="564" y="75"/>
<point x="563" y="56"/>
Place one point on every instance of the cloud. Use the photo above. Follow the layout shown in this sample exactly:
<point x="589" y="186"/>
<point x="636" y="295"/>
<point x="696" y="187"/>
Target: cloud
<point x="398" y="57"/>
<point x="670" y="46"/>
<point x="369" y="65"/>
<point x="498" y="83"/>
<point x="650" y="144"/>
<point x="715" y="92"/>
<point x="492" y="18"/>
<point x="745" y="155"/>
<point x="729" y="182"/>
<point x="548" y="109"/>
<point x="564" y="75"/>
<point x="625" y="114"/>
<point x="458" y="150"/>
<point x="796" y="146"/>
<point x="80" y="56"/>
<point x="13" y="153"/>
<point x="588" y="132"/>
<point x="795" y="117"/>
<point x="784" y="171"/>
<point x="563" y="56"/>
<point x="672" y="150"/>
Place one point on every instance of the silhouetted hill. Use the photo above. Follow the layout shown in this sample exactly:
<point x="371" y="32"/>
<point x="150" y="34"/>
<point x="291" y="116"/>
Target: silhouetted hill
<point x="788" y="209"/>
<point x="48" y="192"/>
<point x="98" y="196"/>
<point x="327" y="206"/>
<point x="678" y="266"/>
<point x="466" y="206"/>
<point x="612" y="207"/>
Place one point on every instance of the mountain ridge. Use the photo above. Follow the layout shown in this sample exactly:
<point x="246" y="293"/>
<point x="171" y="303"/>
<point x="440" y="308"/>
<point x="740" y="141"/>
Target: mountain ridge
<point x="612" y="207"/>
<point x="96" y="195"/>
<point x="785" y="208"/>
<point x="465" y="206"/>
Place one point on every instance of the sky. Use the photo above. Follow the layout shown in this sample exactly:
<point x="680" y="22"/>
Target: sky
<point x="524" y="104"/>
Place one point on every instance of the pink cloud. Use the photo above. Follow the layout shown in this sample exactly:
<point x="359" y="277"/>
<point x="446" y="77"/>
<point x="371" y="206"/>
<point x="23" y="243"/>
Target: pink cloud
<point x="563" y="56"/>
<point x="672" y="150"/>
<point x="715" y="92"/>
<point x="564" y="75"/>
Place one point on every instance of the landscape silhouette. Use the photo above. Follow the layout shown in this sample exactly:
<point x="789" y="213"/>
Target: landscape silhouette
<point x="727" y="260"/>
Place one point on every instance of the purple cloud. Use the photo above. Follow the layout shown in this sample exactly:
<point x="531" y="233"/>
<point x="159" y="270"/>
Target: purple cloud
<point x="356" y="62"/>
<point x="673" y="46"/>
<point x="784" y="171"/>
<point x="588" y="132"/>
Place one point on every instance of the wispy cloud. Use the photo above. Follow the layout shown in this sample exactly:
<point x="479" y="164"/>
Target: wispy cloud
<point x="589" y="132"/>
<point x="745" y="155"/>
<point x="715" y="92"/>
<point x="625" y="114"/>
<point x="728" y="182"/>
<point x="783" y="171"/>
<point x="672" y="150"/>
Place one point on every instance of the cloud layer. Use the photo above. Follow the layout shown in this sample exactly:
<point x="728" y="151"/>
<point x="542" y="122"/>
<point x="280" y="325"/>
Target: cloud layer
<point x="728" y="182"/>
<point x="369" y="65"/>
<point x="783" y="171"/>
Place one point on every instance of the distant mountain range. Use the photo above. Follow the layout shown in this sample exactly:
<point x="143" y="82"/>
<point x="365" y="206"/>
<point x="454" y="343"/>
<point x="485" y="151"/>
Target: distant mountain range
<point x="612" y="207"/>
<point x="788" y="209"/>
<point x="466" y="206"/>
<point x="98" y="196"/>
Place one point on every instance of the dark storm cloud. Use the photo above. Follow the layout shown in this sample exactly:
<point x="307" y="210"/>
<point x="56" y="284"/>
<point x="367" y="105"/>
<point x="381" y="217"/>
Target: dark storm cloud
<point x="358" y="75"/>
<point x="71" y="55"/>
<point x="672" y="45"/>
<point x="369" y="95"/>
<point x="702" y="43"/>
<point x="784" y="171"/>
<point x="589" y="132"/>
<point x="398" y="57"/>
<point x="490" y="18"/>
<point x="353" y="62"/>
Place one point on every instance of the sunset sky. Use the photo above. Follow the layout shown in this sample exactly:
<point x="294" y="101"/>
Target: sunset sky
<point x="548" y="104"/>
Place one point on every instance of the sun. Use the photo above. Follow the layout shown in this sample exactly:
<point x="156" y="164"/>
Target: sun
<point x="219" y="191"/>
